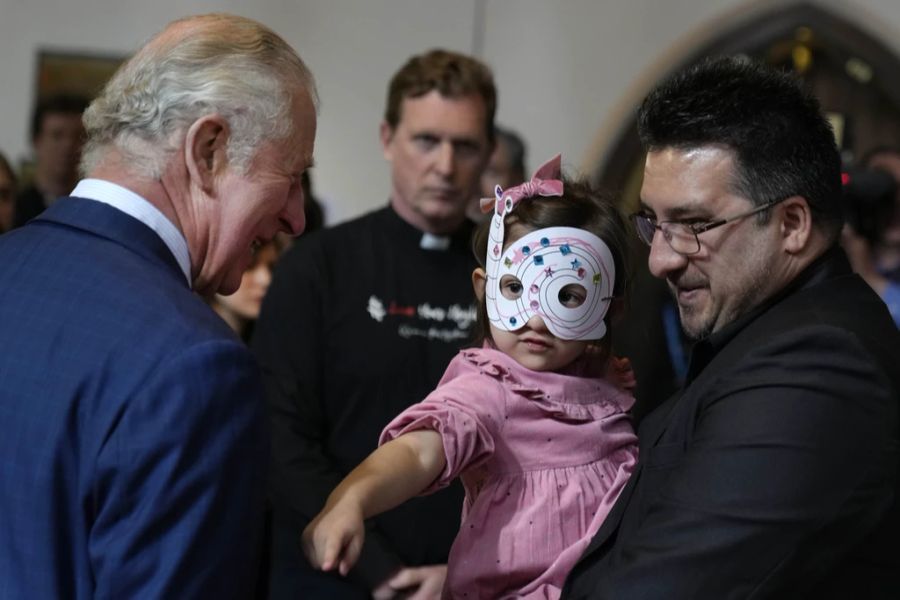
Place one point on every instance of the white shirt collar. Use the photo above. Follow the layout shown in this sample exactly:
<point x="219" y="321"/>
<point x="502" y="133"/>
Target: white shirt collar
<point x="134" y="206"/>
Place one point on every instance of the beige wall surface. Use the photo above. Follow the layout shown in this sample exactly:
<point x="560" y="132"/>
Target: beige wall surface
<point x="568" y="71"/>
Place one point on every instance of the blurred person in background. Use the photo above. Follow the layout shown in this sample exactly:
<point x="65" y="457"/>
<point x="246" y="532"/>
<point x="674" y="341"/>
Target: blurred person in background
<point x="506" y="168"/>
<point x="57" y="136"/>
<point x="874" y="251"/>
<point x="7" y="195"/>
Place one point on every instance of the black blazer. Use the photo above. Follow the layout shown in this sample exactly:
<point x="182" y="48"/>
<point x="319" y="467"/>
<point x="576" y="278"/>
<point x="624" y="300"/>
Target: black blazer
<point x="774" y="473"/>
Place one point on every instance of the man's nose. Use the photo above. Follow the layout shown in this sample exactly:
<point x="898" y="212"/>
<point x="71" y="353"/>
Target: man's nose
<point x="293" y="215"/>
<point x="444" y="162"/>
<point x="663" y="260"/>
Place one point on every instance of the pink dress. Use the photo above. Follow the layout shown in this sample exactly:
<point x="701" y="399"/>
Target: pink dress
<point x="543" y="457"/>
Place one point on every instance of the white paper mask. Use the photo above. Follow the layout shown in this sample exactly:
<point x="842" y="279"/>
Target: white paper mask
<point x="545" y="262"/>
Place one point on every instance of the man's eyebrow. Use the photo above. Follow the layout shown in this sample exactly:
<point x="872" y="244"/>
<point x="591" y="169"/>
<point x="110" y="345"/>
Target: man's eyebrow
<point x="469" y="142"/>
<point x="453" y="139"/>
<point x="691" y="209"/>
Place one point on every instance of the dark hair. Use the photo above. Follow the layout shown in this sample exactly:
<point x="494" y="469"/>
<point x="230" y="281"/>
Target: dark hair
<point x="583" y="206"/>
<point x="5" y="166"/>
<point x="782" y="143"/>
<point x="453" y="75"/>
<point x="67" y="104"/>
<point x="516" y="148"/>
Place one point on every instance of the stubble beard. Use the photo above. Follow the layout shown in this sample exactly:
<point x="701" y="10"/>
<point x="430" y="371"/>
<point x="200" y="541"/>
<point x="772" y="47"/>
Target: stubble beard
<point x="752" y="294"/>
<point x="694" y="331"/>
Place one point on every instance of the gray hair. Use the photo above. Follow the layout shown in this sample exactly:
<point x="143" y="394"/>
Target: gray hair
<point x="201" y="65"/>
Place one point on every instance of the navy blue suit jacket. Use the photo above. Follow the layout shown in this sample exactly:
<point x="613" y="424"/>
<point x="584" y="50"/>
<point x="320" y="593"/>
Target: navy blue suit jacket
<point x="132" y="437"/>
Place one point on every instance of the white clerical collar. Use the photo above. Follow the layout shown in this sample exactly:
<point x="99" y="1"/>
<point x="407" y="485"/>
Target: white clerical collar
<point x="431" y="241"/>
<point x="134" y="206"/>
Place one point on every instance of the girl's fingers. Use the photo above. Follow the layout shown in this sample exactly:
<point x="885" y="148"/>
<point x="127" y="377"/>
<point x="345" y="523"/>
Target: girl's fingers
<point x="309" y="548"/>
<point x="333" y="541"/>
<point x="332" y="553"/>
<point x="351" y="554"/>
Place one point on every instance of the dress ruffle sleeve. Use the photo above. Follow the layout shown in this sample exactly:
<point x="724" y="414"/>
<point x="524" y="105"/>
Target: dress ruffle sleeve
<point x="466" y="409"/>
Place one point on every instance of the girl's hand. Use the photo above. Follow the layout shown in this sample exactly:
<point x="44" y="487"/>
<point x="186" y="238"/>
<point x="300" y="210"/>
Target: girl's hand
<point x="392" y="474"/>
<point x="413" y="583"/>
<point x="335" y="537"/>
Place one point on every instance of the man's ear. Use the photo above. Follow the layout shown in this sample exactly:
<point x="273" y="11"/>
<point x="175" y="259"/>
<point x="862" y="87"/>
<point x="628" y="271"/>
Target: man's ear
<point x="796" y="224"/>
<point x="205" y="150"/>
<point x="479" y="279"/>
<point x="386" y="133"/>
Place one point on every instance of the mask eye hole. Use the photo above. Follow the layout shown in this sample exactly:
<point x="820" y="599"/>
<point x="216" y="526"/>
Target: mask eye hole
<point x="572" y="295"/>
<point x="510" y="287"/>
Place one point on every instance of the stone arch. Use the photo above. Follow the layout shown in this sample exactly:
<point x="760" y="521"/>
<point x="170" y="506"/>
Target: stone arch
<point x="782" y="35"/>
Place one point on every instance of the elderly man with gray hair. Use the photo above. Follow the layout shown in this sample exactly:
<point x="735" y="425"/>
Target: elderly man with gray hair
<point x="132" y="432"/>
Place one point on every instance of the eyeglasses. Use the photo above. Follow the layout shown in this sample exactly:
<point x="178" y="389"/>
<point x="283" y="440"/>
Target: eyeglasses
<point x="682" y="235"/>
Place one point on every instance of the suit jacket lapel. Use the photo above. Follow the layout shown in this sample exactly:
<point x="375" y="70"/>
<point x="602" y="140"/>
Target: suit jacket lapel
<point x="107" y="222"/>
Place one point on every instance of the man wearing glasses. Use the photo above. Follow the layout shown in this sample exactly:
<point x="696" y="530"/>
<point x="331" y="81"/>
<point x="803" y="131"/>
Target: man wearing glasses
<point x="774" y="472"/>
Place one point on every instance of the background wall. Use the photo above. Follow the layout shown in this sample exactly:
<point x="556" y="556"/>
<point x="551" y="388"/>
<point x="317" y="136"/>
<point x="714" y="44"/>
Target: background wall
<point x="567" y="71"/>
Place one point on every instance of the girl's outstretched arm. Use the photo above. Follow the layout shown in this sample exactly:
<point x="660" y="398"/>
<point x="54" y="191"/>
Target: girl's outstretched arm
<point x="392" y="474"/>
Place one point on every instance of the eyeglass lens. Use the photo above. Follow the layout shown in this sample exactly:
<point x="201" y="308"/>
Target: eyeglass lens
<point x="680" y="237"/>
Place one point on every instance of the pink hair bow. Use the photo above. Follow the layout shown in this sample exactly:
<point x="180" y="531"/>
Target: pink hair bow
<point x="545" y="182"/>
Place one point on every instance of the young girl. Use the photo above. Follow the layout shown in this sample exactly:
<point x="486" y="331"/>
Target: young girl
<point x="539" y="437"/>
